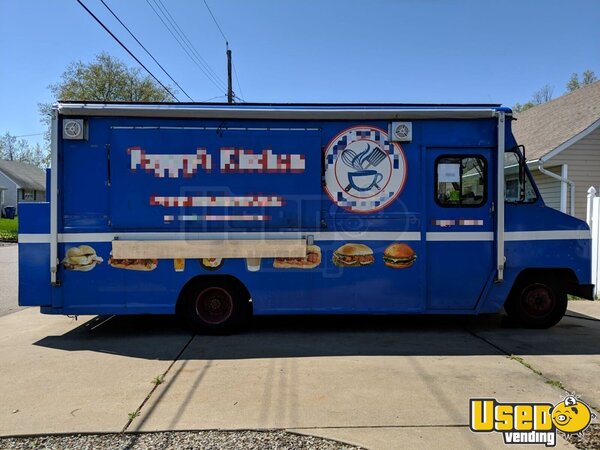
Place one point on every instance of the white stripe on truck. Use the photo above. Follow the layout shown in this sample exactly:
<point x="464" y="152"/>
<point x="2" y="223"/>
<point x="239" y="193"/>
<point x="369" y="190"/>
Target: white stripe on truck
<point x="547" y="235"/>
<point x="441" y="236"/>
<point x="460" y="236"/>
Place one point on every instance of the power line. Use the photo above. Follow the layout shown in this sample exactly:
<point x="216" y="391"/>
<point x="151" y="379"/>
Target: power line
<point x="187" y="41"/>
<point x="168" y="27"/>
<point x="181" y="44"/>
<point x="213" y="98"/>
<point x="195" y="57"/>
<point x="237" y="79"/>
<point x="126" y="49"/>
<point x="146" y="50"/>
<point x="216" y="23"/>
<point x="27" y="135"/>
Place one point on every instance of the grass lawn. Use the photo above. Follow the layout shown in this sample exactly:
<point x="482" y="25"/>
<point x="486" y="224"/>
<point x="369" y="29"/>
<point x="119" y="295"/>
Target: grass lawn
<point x="8" y="229"/>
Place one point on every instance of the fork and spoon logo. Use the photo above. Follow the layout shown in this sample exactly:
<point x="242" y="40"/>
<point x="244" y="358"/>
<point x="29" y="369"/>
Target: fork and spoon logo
<point x="372" y="156"/>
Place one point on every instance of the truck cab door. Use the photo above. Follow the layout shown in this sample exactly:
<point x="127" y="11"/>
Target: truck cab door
<point x="460" y="226"/>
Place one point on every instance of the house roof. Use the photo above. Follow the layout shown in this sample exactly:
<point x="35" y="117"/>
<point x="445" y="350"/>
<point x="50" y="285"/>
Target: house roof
<point x="25" y="175"/>
<point x="546" y="127"/>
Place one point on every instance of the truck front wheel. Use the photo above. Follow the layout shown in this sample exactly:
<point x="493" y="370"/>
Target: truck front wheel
<point x="214" y="308"/>
<point x="537" y="303"/>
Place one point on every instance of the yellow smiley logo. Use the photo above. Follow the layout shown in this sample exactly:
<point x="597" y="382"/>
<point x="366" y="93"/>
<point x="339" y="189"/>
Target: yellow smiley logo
<point x="571" y="416"/>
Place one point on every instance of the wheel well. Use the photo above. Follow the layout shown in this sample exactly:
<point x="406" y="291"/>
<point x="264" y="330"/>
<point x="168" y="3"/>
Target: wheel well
<point x="207" y="280"/>
<point x="566" y="276"/>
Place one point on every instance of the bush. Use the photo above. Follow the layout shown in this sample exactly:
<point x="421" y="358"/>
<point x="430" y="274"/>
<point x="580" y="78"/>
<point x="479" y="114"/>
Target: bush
<point x="8" y="230"/>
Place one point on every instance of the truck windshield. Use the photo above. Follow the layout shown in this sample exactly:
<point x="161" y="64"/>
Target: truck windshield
<point x="517" y="188"/>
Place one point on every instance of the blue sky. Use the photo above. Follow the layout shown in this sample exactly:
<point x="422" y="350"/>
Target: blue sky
<point x="311" y="51"/>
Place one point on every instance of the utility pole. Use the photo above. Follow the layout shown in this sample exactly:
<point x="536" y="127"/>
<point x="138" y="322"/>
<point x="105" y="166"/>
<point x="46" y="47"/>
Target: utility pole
<point x="229" y="87"/>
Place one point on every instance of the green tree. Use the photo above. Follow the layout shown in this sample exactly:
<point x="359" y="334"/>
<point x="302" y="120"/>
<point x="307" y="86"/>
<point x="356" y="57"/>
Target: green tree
<point x="105" y="79"/>
<point x="543" y="95"/>
<point x="587" y="77"/>
<point x="540" y="96"/>
<point x="522" y="107"/>
<point x="13" y="149"/>
<point x="573" y="83"/>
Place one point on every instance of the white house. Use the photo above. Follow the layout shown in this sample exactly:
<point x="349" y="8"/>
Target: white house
<point x="562" y="146"/>
<point x="22" y="183"/>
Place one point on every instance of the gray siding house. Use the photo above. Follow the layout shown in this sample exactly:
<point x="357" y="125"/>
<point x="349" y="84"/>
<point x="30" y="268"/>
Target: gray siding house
<point x="562" y="146"/>
<point x="22" y="183"/>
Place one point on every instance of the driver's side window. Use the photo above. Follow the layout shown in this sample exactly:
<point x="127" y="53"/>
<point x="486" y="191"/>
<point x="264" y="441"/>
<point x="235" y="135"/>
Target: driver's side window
<point x="461" y="181"/>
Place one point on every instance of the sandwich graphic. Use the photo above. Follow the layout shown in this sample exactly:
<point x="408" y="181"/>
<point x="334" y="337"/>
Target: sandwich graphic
<point x="81" y="259"/>
<point x="353" y="255"/>
<point x="143" y="265"/>
<point x="399" y="256"/>
<point x="310" y="261"/>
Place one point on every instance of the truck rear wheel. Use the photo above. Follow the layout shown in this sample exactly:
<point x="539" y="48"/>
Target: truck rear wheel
<point x="537" y="302"/>
<point x="214" y="307"/>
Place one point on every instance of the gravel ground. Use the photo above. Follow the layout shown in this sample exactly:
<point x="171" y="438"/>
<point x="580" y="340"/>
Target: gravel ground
<point x="590" y="439"/>
<point x="250" y="440"/>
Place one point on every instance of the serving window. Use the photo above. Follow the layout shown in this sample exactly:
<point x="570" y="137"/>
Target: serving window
<point x="460" y="181"/>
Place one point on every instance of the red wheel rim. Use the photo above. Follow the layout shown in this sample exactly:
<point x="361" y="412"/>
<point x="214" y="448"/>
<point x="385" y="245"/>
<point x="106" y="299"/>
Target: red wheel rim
<point x="214" y="305"/>
<point x="537" y="300"/>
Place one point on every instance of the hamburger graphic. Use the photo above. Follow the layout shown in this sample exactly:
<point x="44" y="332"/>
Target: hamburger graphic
<point x="353" y="255"/>
<point x="81" y="259"/>
<point x="399" y="256"/>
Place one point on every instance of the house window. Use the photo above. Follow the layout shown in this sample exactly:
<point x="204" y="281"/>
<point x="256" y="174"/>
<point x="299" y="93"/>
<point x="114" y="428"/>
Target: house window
<point x="460" y="181"/>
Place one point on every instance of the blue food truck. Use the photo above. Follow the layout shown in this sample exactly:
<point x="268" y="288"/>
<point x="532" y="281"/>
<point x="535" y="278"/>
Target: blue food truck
<point x="216" y="212"/>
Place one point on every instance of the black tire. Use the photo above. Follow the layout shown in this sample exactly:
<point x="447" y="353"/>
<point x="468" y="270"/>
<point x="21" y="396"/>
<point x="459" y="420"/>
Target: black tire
<point x="539" y="302"/>
<point x="214" y="307"/>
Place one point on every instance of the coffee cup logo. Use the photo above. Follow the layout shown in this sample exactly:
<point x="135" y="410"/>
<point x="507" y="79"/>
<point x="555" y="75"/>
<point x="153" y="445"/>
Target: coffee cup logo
<point x="365" y="172"/>
<point x="363" y="180"/>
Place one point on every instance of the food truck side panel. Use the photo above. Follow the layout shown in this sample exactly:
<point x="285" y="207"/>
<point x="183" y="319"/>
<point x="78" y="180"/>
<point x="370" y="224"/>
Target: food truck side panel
<point x="139" y="178"/>
<point x="141" y="198"/>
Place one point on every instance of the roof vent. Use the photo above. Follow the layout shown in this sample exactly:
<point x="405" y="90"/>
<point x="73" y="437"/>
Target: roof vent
<point x="401" y="131"/>
<point x="73" y="129"/>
